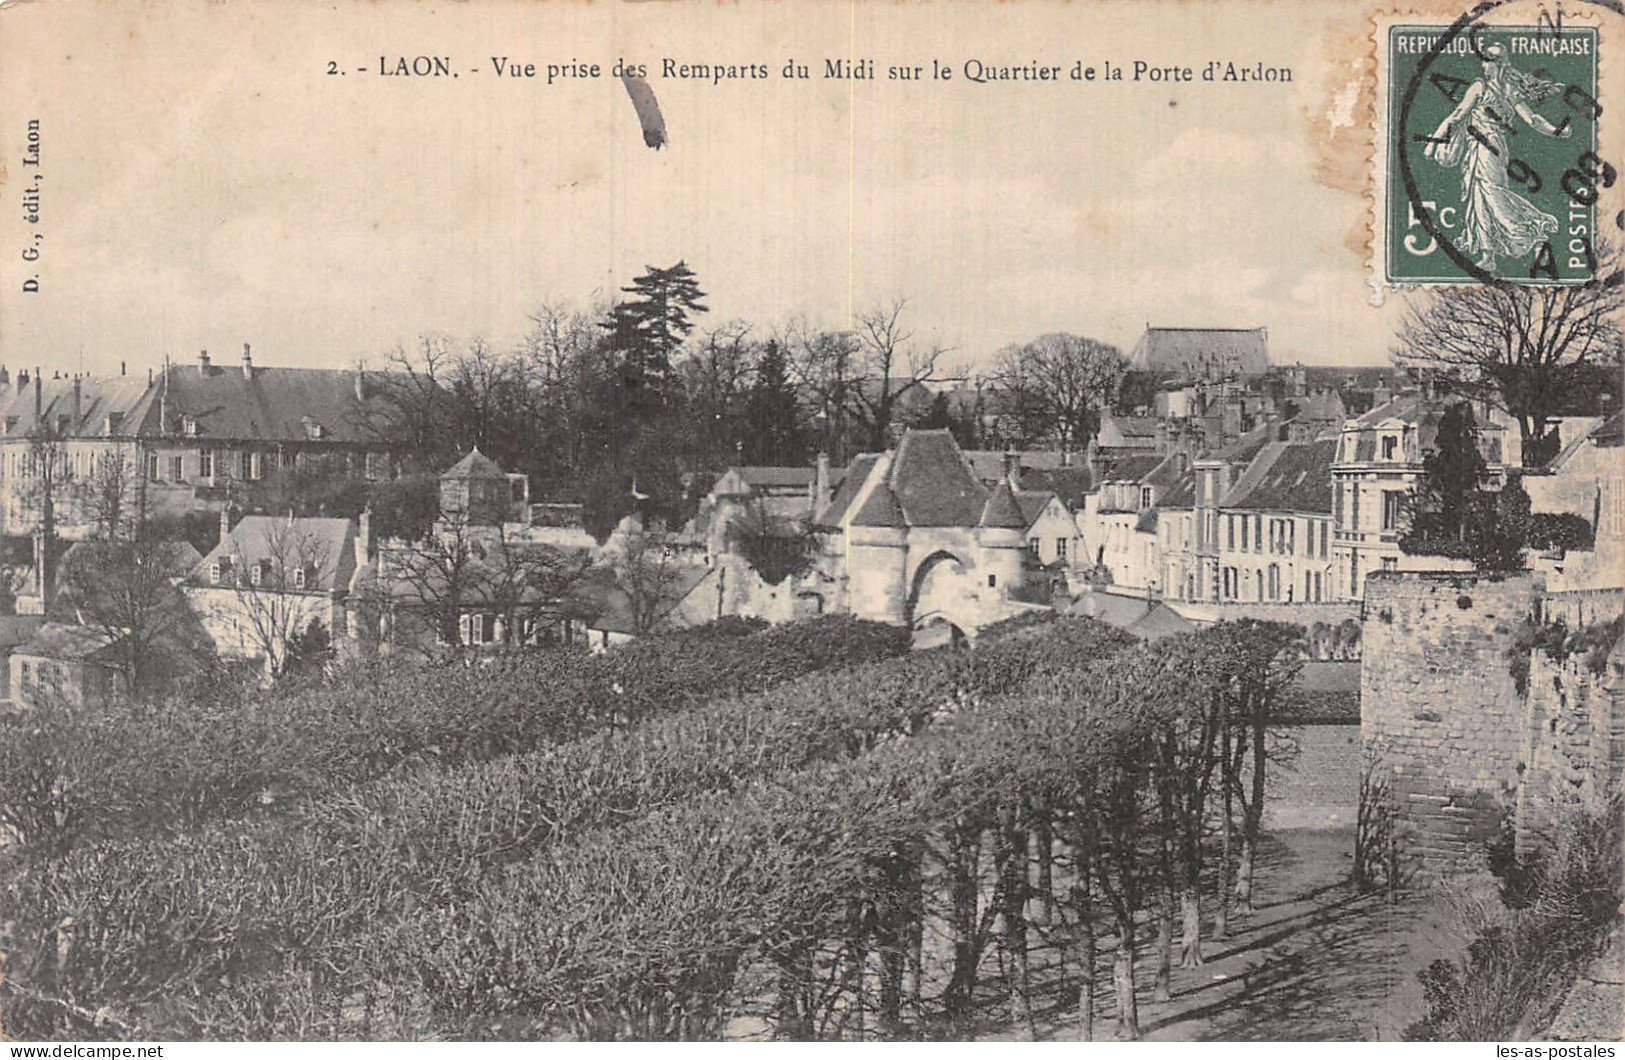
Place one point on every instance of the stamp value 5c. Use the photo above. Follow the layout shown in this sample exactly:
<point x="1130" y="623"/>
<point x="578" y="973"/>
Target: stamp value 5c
<point x="1491" y="167"/>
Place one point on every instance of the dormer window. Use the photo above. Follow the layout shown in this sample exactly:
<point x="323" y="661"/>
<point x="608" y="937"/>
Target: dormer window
<point x="190" y="427"/>
<point x="62" y="424"/>
<point x="1145" y="496"/>
<point x="115" y="420"/>
<point x="214" y="574"/>
<point x="1390" y="446"/>
<point x="256" y="573"/>
<point x="11" y="424"/>
<point x="299" y="578"/>
<point x="313" y="430"/>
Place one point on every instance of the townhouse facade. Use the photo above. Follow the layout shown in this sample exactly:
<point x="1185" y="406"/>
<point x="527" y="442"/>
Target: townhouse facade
<point x="194" y="437"/>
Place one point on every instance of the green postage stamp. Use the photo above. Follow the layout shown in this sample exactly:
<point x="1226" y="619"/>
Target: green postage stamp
<point x="1492" y="164"/>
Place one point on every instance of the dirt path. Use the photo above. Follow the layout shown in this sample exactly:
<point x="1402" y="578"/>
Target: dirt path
<point x="1313" y="962"/>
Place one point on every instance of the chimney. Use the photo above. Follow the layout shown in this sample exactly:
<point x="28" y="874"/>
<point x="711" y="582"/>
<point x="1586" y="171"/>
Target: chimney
<point x="78" y="402"/>
<point x="39" y="397"/>
<point x="248" y="363"/>
<point x="360" y="385"/>
<point x="121" y="368"/>
<point x="5" y="376"/>
<point x="363" y="538"/>
<point x="225" y="523"/>
<point x="821" y="490"/>
<point x="22" y="378"/>
<point x="1012" y="468"/>
<point x="203" y="362"/>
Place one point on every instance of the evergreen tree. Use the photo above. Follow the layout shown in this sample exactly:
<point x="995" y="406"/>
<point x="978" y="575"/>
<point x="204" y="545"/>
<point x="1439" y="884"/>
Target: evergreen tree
<point x="773" y="430"/>
<point x="647" y="329"/>
<point x="1452" y="477"/>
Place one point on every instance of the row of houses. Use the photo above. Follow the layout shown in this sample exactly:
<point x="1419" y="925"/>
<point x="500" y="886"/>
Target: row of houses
<point x="1294" y="513"/>
<point x="179" y="439"/>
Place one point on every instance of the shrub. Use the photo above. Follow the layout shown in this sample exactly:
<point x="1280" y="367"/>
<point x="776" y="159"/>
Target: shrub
<point x="1522" y="960"/>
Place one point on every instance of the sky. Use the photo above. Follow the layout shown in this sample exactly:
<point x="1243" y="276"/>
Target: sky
<point x="207" y="182"/>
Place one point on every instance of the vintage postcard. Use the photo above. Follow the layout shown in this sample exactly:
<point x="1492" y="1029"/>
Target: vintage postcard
<point x="948" y="520"/>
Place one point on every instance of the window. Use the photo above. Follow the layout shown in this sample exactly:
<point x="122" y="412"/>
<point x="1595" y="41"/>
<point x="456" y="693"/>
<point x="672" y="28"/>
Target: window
<point x="1145" y="496"/>
<point x="250" y="466"/>
<point x="1325" y="533"/>
<point x="1275" y="581"/>
<point x="992" y="581"/>
<point x="1390" y="446"/>
<point x="1244" y="525"/>
<point x="205" y="463"/>
<point x="255" y="573"/>
<point x="299" y="578"/>
<point x="1390" y="563"/>
<point x="1317" y="585"/>
<point x="1230" y="536"/>
<point x="155" y="469"/>
<point x="1393" y="506"/>
<point x="214" y="574"/>
<point x="1258" y="533"/>
<point x="1060" y="549"/>
<point x="1354" y="508"/>
<point x="1032" y="547"/>
<point x="177" y="469"/>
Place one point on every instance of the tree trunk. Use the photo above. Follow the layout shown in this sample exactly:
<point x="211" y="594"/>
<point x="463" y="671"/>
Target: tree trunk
<point x="1128" y="1012"/>
<point x="962" y="987"/>
<point x="1253" y="821"/>
<point x="1045" y="836"/>
<point x="1161" y="988"/>
<point x="1083" y="907"/>
<point x="1244" y="876"/>
<point x="1011" y="856"/>
<point x="1190" y="938"/>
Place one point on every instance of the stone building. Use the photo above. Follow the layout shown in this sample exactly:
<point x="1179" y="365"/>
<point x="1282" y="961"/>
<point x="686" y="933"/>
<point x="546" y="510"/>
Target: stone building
<point x="191" y="438"/>
<point x="1275" y="526"/>
<point x="67" y="665"/>
<point x="1378" y="462"/>
<point x="1201" y="353"/>
<point x="911" y="537"/>
<point x="269" y="580"/>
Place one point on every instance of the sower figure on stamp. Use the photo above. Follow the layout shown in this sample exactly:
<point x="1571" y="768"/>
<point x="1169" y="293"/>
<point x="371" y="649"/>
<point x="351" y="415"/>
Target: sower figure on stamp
<point x="1496" y="221"/>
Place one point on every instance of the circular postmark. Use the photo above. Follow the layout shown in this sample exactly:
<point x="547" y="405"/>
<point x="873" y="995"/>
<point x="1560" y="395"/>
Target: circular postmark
<point x="1488" y="177"/>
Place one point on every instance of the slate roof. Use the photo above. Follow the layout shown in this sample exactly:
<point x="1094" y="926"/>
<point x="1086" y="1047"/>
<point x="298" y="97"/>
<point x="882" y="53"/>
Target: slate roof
<point x="1203" y="352"/>
<point x="1002" y="510"/>
<point x="476" y="465"/>
<point x="1287" y="477"/>
<point x="880" y="508"/>
<point x="1128" y="467"/>
<point x="773" y="477"/>
<point x="98" y="396"/>
<point x="270" y="405"/>
<point x="1175" y="482"/>
<point x="988" y="464"/>
<point x="1032" y="504"/>
<point x="328" y="544"/>
<point x="1159" y="622"/>
<point x="1133" y="426"/>
<point x="605" y="605"/>
<point x="1244" y="449"/>
<point x="74" y="643"/>
<point x="933" y="483"/>
<point x="840" y="505"/>
<point x="1070" y="484"/>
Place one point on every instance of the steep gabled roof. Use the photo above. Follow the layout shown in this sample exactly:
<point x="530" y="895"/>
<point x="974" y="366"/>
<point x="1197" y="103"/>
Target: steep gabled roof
<point x="324" y="546"/>
<point x="1032" y="503"/>
<point x="880" y="508"/>
<point x="933" y="482"/>
<point x="1002" y="510"/>
<point x="1287" y="477"/>
<point x="1201" y="352"/>
<point x="267" y="404"/>
<point x="840" y="505"/>
<point x="1128" y="467"/>
<point x="99" y="397"/>
<point x="1070" y="484"/>
<point x="476" y="465"/>
<point x="1175" y="482"/>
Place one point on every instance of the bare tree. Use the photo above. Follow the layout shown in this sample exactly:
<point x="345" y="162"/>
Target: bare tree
<point x="283" y="586"/>
<point x="126" y="589"/>
<point x="651" y="573"/>
<point x="1520" y="347"/>
<point x="893" y="365"/>
<point x="461" y="569"/>
<point x="1060" y="382"/>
